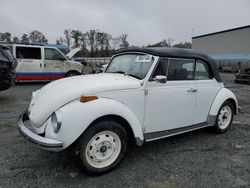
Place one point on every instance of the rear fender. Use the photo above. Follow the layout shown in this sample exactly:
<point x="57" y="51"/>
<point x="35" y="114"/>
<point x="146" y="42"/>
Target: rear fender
<point x="223" y="95"/>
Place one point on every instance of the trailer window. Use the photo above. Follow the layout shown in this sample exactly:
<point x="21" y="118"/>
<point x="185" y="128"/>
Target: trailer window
<point x="28" y="52"/>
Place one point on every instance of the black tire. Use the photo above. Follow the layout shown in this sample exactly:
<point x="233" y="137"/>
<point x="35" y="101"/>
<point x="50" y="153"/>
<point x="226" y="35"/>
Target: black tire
<point x="219" y="128"/>
<point x="72" y="73"/>
<point x="80" y="151"/>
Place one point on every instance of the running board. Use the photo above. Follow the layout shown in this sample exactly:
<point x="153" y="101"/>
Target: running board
<point x="163" y="134"/>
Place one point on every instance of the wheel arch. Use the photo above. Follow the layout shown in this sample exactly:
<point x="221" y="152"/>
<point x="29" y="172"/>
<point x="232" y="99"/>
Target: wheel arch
<point x="72" y="71"/>
<point x="223" y="95"/>
<point x="234" y="104"/>
<point x="119" y="119"/>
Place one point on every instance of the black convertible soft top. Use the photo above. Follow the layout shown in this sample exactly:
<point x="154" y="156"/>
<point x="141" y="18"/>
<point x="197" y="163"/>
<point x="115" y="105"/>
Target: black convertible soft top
<point x="177" y="53"/>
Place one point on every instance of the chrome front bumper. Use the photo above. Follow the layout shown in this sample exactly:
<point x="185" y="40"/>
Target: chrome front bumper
<point x="45" y="143"/>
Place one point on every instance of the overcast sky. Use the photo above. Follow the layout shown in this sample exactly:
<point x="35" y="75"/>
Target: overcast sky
<point x="145" y="21"/>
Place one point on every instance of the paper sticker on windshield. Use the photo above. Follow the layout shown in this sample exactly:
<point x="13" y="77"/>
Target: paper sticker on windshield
<point x="143" y="58"/>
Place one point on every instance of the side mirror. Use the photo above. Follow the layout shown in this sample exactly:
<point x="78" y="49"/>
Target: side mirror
<point x="62" y="59"/>
<point x="160" y="79"/>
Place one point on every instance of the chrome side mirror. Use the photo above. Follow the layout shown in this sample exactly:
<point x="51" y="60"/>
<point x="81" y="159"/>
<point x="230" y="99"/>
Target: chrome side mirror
<point x="160" y="79"/>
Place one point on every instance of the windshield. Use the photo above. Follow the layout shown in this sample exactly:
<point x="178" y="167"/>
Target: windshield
<point x="135" y="65"/>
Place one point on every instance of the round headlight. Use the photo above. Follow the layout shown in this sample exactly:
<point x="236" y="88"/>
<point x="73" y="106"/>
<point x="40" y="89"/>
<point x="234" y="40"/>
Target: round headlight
<point x="56" y="121"/>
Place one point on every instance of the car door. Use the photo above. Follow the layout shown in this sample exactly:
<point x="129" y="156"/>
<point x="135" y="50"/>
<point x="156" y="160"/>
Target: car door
<point x="30" y="64"/>
<point x="207" y="89"/>
<point x="171" y="105"/>
<point x="54" y="64"/>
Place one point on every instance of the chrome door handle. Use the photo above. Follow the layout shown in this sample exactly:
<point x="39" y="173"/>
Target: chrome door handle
<point x="192" y="90"/>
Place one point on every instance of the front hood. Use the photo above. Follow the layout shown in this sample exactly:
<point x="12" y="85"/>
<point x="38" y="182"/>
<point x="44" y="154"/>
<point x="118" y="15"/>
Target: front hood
<point x="72" y="52"/>
<point x="57" y="93"/>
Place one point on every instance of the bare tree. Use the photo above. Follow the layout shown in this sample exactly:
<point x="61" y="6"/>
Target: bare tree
<point x="108" y="38"/>
<point x="124" y="43"/>
<point x="67" y="33"/>
<point x="115" y="43"/>
<point x="76" y="35"/>
<point x="91" y="35"/>
<point x="83" y="41"/>
<point x="100" y="41"/>
<point x="170" y="42"/>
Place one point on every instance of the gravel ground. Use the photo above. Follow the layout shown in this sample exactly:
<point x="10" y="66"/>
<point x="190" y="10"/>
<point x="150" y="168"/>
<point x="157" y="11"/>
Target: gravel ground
<point x="196" y="159"/>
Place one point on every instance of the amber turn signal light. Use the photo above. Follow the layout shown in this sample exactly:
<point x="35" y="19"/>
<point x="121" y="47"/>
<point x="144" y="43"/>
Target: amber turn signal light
<point x="87" y="98"/>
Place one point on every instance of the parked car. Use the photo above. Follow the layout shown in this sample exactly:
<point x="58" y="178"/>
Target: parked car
<point x="243" y="78"/>
<point x="38" y="62"/>
<point x="7" y="68"/>
<point x="227" y="69"/>
<point x="103" y="68"/>
<point x="143" y="95"/>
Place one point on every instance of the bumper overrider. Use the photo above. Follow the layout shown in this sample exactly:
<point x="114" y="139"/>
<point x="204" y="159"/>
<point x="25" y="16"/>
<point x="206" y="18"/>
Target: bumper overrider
<point x="45" y="143"/>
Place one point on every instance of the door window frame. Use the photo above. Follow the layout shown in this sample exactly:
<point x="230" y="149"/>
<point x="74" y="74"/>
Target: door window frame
<point x="168" y="62"/>
<point x="168" y="59"/>
<point x="53" y="59"/>
<point x="210" y="72"/>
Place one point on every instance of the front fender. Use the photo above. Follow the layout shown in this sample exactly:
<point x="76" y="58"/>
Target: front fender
<point x="223" y="95"/>
<point x="74" y="66"/>
<point x="77" y="116"/>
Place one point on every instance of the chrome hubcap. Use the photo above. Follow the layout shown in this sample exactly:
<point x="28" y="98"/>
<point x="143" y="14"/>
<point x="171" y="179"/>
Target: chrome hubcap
<point x="225" y="116"/>
<point x="103" y="149"/>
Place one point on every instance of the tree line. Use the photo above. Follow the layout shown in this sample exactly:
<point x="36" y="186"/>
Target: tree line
<point x="34" y="37"/>
<point x="93" y="43"/>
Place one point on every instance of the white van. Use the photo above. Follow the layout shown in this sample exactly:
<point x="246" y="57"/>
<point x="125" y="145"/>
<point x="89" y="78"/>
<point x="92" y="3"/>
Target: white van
<point x="44" y="63"/>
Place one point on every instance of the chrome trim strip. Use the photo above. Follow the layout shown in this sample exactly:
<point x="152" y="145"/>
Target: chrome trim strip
<point x="34" y="138"/>
<point x="163" y="134"/>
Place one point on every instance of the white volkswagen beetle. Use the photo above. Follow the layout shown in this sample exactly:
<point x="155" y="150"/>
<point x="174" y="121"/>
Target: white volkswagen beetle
<point x="143" y="95"/>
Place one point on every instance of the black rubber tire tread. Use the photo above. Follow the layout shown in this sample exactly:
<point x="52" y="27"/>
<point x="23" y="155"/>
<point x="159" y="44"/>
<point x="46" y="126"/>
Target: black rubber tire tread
<point x="76" y="73"/>
<point x="79" y="150"/>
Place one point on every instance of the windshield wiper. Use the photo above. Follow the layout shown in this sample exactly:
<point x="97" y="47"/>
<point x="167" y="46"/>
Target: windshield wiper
<point x="134" y="76"/>
<point x="119" y="72"/>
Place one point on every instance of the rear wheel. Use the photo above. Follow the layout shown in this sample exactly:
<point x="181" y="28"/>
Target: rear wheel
<point x="101" y="148"/>
<point x="224" y="117"/>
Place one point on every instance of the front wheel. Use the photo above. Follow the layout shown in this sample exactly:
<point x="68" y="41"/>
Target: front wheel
<point x="224" y="117"/>
<point x="101" y="148"/>
<point x="72" y="73"/>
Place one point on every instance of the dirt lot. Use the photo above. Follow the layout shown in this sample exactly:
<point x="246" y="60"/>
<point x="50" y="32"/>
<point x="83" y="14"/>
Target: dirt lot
<point x="196" y="159"/>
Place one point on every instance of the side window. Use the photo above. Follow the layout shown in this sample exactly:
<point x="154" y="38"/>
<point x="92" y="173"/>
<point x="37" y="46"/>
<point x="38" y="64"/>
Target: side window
<point x="53" y="54"/>
<point x="161" y="69"/>
<point x="202" y="71"/>
<point x="28" y="52"/>
<point x="180" y="69"/>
